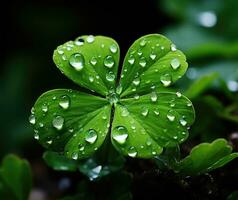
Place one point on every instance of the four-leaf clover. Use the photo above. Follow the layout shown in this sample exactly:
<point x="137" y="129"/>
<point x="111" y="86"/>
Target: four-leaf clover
<point x="133" y="108"/>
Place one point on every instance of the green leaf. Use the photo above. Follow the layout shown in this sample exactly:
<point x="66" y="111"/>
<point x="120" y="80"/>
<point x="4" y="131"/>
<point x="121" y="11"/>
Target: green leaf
<point x="200" y="85"/>
<point x="151" y="62"/>
<point x="92" y="62"/>
<point x="141" y="127"/>
<point x="206" y="157"/>
<point x="71" y="122"/>
<point x="16" y="175"/>
<point x="59" y="162"/>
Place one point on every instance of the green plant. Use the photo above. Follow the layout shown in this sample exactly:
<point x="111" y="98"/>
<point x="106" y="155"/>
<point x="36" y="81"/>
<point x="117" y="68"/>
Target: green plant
<point x="135" y="109"/>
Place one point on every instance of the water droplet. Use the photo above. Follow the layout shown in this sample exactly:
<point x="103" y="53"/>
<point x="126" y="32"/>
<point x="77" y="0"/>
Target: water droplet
<point x="136" y="96"/>
<point x="152" y="56"/>
<point x="183" y="133"/>
<point x="175" y="137"/>
<point x="183" y="122"/>
<point x="54" y="98"/>
<point x="93" y="61"/>
<point x="139" y="53"/>
<point x="44" y="108"/>
<point x="119" y="89"/>
<point x="77" y="61"/>
<point x="90" y="39"/>
<point x="172" y="103"/>
<point x="145" y="111"/>
<point x="136" y="82"/>
<point x="124" y="112"/>
<point x="113" y="98"/>
<point x="110" y="76"/>
<point x="149" y="142"/>
<point x="142" y="43"/>
<point x="79" y="41"/>
<point x="41" y="125"/>
<point x="173" y="47"/>
<point x="71" y="130"/>
<point x="81" y="147"/>
<point x="120" y="134"/>
<point x="189" y="104"/>
<point x="74" y="155"/>
<point x="64" y="102"/>
<point x="165" y="80"/>
<point x="60" y="51"/>
<point x="32" y="119"/>
<point x="154" y="153"/>
<point x="132" y="152"/>
<point x="133" y="127"/>
<point x="156" y="111"/>
<point x="113" y="48"/>
<point x="175" y="63"/>
<point x="142" y="62"/>
<point x="153" y="97"/>
<point x="131" y="59"/>
<point x="64" y="57"/>
<point x="171" y="116"/>
<point x="58" y="122"/>
<point x="91" y="136"/>
<point x="32" y="110"/>
<point x="36" y="136"/>
<point x="109" y="61"/>
<point x="178" y="94"/>
<point x="91" y="79"/>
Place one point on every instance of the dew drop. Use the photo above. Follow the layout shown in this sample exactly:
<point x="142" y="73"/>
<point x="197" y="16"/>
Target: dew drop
<point x="36" y="136"/>
<point x="165" y="80"/>
<point x="136" y="96"/>
<point x="124" y="112"/>
<point x="90" y="39"/>
<point x="173" y="47"/>
<point x="60" y="51"/>
<point x="152" y="56"/>
<point x="189" y="104"/>
<point x="153" y="97"/>
<point x="120" y="134"/>
<point x="91" y="136"/>
<point x="44" y="108"/>
<point x="32" y="110"/>
<point x="77" y="61"/>
<point x="175" y="137"/>
<point x="156" y="111"/>
<point x="109" y="61"/>
<point x="49" y="141"/>
<point x="93" y="61"/>
<point x="91" y="79"/>
<point x="142" y="43"/>
<point x="178" y="94"/>
<point x="183" y="122"/>
<point x="119" y="89"/>
<point x="136" y="82"/>
<point x="64" y="102"/>
<point x="171" y="116"/>
<point x="110" y="76"/>
<point x="145" y="111"/>
<point x="79" y="41"/>
<point x="142" y="62"/>
<point x="131" y="59"/>
<point x="175" y="63"/>
<point x="113" y="48"/>
<point x="58" y="122"/>
<point x="132" y="152"/>
<point x="74" y="155"/>
<point x="32" y="119"/>
<point x="149" y="142"/>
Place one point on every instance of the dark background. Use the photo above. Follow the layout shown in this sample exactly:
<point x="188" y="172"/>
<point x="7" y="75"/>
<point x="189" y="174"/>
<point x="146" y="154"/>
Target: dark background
<point x="31" y="30"/>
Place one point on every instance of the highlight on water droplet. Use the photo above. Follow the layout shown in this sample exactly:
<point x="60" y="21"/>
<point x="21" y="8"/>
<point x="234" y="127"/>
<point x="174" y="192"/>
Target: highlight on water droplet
<point x="166" y="80"/>
<point x="64" y="102"/>
<point x="131" y="60"/>
<point x="120" y="134"/>
<point x="132" y="152"/>
<point x="136" y="81"/>
<point x="32" y="119"/>
<point x="152" y="55"/>
<point x="77" y="61"/>
<point x="91" y="79"/>
<point x="93" y="61"/>
<point x="182" y="121"/>
<point x="173" y="47"/>
<point x="145" y="111"/>
<point x="178" y="94"/>
<point x="171" y="116"/>
<point x="175" y="63"/>
<point x="156" y="111"/>
<point x="58" y="122"/>
<point x="153" y="96"/>
<point x="91" y="136"/>
<point x="143" y="42"/>
<point x="109" y="61"/>
<point x="142" y="62"/>
<point x="90" y="39"/>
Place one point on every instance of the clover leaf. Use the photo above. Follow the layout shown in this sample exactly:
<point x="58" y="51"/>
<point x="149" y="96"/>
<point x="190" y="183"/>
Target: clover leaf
<point x="134" y="108"/>
<point x="206" y="157"/>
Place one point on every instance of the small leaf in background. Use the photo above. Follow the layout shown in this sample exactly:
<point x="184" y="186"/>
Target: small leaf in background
<point x="59" y="162"/>
<point x="206" y="157"/>
<point x="16" y="177"/>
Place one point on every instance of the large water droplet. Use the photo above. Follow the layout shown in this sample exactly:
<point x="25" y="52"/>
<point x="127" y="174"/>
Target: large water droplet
<point x="165" y="80"/>
<point x="173" y="47"/>
<point x="153" y="97"/>
<point x="77" y="61"/>
<point x="32" y="119"/>
<point x="142" y="62"/>
<point x="109" y="61"/>
<point x="93" y="61"/>
<point x="91" y="136"/>
<point x="171" y="116"/>
<point x="58" y="122"/>
<point x="74" y="155"/>
<point x="132" y="152"/>
<point x="131" y="59"/>
<point x="79" y="41"/>
<point x="90" y="39"/>
<point x="113" y="48"/>
<point x="110" y="76"/>
<point x="120" y="134"/>
<point x="64" y="102"/>
<point x="175" y="63"/>
<point x="145" y="111"/>
<point x="136" y="81"/>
